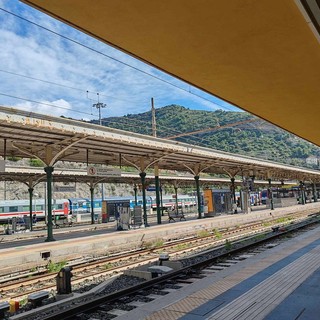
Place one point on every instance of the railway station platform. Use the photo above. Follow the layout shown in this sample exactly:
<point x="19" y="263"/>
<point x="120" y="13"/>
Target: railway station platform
<point x="280" y="283"/>
<point x="31" y="250"/>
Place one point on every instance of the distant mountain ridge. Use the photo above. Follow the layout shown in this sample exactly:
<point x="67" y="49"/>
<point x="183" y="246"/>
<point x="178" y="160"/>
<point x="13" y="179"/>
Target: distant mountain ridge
<point x="236" y="132"/>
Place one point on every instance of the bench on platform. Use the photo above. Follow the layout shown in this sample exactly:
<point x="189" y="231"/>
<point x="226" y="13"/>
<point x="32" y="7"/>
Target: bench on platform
<point x="172" y="215"/>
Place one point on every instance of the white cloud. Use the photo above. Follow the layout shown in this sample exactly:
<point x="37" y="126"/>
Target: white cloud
<point x="34" y="52"/>
<point x="52" y="108"/>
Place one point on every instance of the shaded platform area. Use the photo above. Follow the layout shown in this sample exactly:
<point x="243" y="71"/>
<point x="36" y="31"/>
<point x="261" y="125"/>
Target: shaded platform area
<point x="302" y="303"/>
<point x="278" y="283"/>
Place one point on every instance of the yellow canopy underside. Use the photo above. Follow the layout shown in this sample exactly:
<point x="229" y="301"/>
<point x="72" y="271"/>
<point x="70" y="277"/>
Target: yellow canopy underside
<point x="260" y="55"/>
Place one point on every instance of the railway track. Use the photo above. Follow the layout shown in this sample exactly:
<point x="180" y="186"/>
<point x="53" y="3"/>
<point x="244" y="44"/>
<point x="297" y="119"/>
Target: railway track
<point x="105" y="306"/>
<point x="82" y="273"/>
<point x="106" y="267"/>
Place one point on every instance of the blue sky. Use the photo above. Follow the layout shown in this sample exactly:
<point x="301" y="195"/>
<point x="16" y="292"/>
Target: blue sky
<point x="43" y="72"/>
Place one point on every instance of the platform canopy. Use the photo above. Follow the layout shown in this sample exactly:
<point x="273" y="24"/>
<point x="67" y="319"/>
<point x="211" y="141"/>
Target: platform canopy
<point x="260" y="55"/>
<point x="33" y="176"/>
<point x="54" y="139"/>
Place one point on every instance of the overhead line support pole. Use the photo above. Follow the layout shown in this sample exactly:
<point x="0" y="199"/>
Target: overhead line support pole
<point x="100" y="105"/>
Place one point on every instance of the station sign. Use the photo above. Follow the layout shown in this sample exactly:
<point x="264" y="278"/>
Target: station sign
<point x="2" y="166"/>
<point x="65" y="188"/>
<point x="153" y="188"/>
<point x="103" y="171"/>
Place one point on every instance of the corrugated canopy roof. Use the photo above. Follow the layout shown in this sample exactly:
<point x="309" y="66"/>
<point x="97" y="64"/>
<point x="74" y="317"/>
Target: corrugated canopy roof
<point x="261" y="56"/>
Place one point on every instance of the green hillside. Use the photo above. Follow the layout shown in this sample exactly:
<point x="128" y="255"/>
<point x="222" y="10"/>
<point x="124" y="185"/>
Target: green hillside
<point x="256" y="138"/>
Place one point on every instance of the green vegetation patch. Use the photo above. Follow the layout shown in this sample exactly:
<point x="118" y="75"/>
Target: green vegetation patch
<point x="228" y="245"/>
<point x="55" y="267"/>
<point x="217" y="233"/>
<point x="203" y="234"/>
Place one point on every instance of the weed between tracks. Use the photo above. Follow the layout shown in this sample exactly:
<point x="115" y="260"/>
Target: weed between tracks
<point x="203" y="234"/>
<point x="55" y="267"/>
<point x="154" y="244"/>
<point x="217" y="233"/>
<point x="228" y="245"/>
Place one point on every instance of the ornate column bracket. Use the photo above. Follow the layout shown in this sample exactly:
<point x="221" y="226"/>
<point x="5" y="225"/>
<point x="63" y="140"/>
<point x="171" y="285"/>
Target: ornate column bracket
<point x="142" y="166"/>
<point x="231" y="172"/>
<point x="51" y="153"/>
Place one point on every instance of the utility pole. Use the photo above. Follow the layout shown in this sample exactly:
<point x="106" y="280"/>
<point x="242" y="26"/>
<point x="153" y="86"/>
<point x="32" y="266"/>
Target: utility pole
<point x="100" y="105"/>
<point x="154" y="125"/>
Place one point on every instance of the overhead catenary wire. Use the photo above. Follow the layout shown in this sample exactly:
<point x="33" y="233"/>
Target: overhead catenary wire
<point x="165" y="129"/>
<point x="62" y="85"/>
<point x="98" y="52"/>
<point x="43" y="103"/>
<point x="129" y="121"/>
<point x="187" y="90"/>
<point x="189" y="140"/>
<point x="80" y="112"/>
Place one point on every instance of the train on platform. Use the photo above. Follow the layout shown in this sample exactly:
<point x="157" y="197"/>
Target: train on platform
<point x="20" y="208"/>
<point x="75" y="206"/>
<point x="292" y="192"/>
<point x="79" y="206"/>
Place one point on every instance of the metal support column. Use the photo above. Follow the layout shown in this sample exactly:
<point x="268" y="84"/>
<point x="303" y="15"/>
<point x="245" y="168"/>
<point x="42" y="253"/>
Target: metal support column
<point x="302" y="195"/>
<point x="30" y="206"/>
<point x="156" y="180"/>
<point x="270" y="195"/>
<point x="144" y="202"/>
<point x="233" y="190"/>
<point x="314" y="192"/>
<point x="92" y="204"/>
<point x="161" y="200"/>
<point x="176" y="195"/>
<point x="49" y="171"/>
<point x="196" y="178"/>
<point x="135" y="194"/>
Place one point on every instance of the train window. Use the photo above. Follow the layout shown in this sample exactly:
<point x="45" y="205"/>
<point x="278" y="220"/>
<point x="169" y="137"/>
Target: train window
<point x="59" y="206"/>
<point x="13" y="209"/>
<point x="1" y="209"/>
<point x="39" y="207"/>
<point x="25" y="208"/>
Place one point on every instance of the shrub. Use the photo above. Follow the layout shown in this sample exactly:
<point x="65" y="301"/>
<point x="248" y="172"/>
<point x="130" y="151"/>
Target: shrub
<point x="35" y="163"/>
